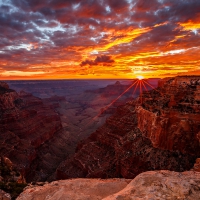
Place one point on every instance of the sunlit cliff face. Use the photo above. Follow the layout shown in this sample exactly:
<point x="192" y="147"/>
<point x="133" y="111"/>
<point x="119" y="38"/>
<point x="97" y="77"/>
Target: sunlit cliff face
<point x="56" y="39"/>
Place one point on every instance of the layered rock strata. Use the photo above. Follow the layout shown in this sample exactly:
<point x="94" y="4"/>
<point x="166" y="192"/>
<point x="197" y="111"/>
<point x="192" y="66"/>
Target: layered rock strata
<point x="30" y="132"/>
<point x="157" y="131"/>
<point x="170" y="115"/>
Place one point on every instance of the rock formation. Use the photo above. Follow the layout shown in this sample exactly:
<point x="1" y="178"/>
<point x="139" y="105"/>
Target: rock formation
<point x="160" y="130"/>
<point x="4" y="195"/>
<point x="37" y="134"/>
<point x="160" y="185"/>
<point x="30" y="131"/>
<point x="170" y="115"/>
<point x="75" y="189"/>
<point x="11" y="184"/>
<point x="197" y="165"/>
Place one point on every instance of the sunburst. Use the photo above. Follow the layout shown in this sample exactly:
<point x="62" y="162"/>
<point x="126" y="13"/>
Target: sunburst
<point x="140" y="77"/>
<point x="137" y="84"/>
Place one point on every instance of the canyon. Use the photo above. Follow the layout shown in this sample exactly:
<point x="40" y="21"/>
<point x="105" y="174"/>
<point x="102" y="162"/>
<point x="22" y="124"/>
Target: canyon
<point x="159" y="130"/>
<point x="90" y="133"/>
<point x="37" y="134"/>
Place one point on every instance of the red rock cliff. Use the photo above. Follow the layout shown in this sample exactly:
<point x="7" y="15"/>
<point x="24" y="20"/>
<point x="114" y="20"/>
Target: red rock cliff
<point x="170" y="115"/>
<point x="25" y="125"/>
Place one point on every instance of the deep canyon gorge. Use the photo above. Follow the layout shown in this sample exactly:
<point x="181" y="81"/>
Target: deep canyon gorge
<point x="76" y="135"/>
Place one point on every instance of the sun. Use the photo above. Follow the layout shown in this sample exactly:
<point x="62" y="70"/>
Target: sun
<point x="140" y="77"/>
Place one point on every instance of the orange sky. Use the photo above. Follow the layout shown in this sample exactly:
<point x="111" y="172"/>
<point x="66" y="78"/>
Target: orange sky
<point x="59" y="39"/>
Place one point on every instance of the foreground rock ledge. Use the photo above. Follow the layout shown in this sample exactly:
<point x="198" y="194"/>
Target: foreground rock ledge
<point x="154" y="185"/>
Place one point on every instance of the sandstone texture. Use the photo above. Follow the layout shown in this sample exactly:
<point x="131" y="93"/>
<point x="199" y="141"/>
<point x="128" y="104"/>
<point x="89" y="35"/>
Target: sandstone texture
<point x="75" y="189"/>
<point x="155" y="185"/>
<point x="170" y="115"/>
<point x="197" y="165"/>
<point x="160" y="130"/>
<point x="161" y="185"/>
<point x="4" y="195"/>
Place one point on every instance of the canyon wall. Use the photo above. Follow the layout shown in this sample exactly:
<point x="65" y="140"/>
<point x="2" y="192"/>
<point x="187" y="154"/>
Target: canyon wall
<point x="160" y="130"/>
<point x="30" y="132"/>
<point x="170" y="115"/>
<point x="37" y="134"/>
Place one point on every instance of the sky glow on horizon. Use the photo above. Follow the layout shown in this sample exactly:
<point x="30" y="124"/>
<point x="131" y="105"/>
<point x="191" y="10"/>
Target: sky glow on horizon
<point x="106" y="39"/>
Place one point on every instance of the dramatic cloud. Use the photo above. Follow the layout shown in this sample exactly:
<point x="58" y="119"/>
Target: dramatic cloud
<point x="46" y="39"/>
<point x="105" y="60"/>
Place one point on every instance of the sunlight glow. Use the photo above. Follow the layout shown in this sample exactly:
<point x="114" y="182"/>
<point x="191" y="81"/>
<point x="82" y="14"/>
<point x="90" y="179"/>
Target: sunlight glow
<point x="138" y="84"/>
<point x="21" y="73"/>
<point x="140" y="77"/>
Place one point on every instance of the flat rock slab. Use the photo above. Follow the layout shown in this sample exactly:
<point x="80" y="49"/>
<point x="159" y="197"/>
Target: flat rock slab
<point x="78" y="189"/>
<point x="161" y="185"/>
<point x="152" y="185"/>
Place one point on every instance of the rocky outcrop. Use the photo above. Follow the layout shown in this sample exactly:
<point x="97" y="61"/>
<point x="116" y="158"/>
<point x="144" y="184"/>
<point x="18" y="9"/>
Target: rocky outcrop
<point x="82" y="189"/>
<point x="11" y="183"/>
<point x="4" y="86"/>
<point x="160" y="185"/>
<point x="170" y="115"/>
<point x="197" y="165"/>
<point x="154" y="132"/>
<point x="4" y="195"/>
<point x="26" y="124"/>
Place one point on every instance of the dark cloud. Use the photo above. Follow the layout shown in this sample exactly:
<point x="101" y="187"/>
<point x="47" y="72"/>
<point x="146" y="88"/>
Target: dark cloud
<point x="147" y="6"/>
<point x="181" y="10"/>
<point x="30" y="5"/>
<point x="118" y="6"/>
<point x="105" y="60"/>
<point x="44" y="31"/>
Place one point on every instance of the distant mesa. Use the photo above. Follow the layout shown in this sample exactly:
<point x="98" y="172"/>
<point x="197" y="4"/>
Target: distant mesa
<point x="117" y="83"/>
<point x="4" y="88"/>
<point x="4" y="85"/>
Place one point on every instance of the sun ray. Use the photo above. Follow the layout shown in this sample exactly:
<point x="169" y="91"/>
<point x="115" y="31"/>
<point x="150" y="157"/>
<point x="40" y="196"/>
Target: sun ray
<point x="149" y="84"/>
<point x="135" y="88"/>
<point x="143" y="83"/>
<point x="104" y="109"/>
<point x="121" y="94"/>
<point x="138" y="84"/>
<point x="152" y="87"/>
<point x="140" y="87"/>
<point x="140" y="90"/>
<point x="144" y="86"/>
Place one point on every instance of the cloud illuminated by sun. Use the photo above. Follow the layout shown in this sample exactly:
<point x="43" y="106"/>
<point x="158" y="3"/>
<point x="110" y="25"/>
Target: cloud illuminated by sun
<point x="99" y="39"/>
<point x="140" y="77"/>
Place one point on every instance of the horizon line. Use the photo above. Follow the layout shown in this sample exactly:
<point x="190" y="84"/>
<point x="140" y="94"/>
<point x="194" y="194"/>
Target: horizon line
<point x="72" y="79"/>
<point x="92" y="79"/>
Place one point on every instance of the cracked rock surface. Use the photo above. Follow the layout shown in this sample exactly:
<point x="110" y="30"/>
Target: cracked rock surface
<point x="155" y="185"/>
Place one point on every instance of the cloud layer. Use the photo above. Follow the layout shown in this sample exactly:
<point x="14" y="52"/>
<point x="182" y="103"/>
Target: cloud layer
<point x="98" y="39"/>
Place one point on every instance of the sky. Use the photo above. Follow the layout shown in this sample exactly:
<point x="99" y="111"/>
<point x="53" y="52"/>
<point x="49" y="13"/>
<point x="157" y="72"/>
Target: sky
<point x="97" y="39"/>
